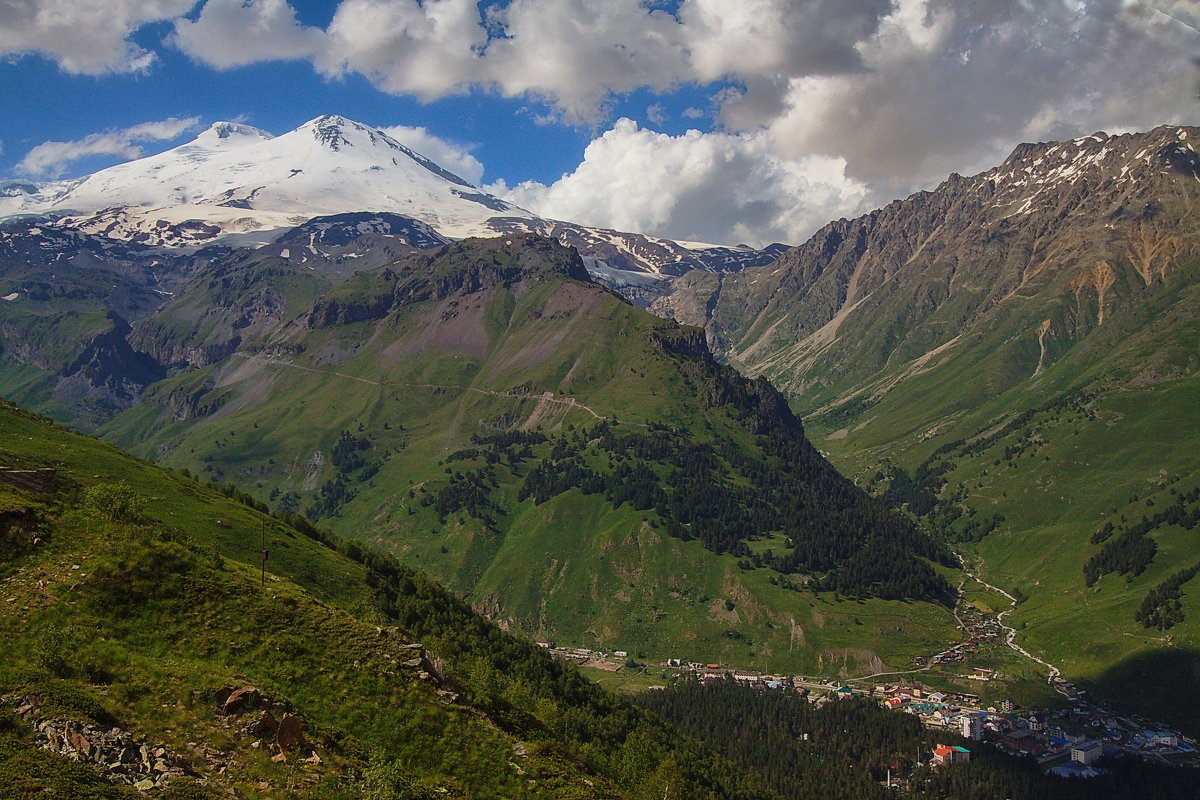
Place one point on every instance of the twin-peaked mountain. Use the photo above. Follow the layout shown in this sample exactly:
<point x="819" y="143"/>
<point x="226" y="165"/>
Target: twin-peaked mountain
<point x="237" y="185"/>
<point x="236" y="179"/>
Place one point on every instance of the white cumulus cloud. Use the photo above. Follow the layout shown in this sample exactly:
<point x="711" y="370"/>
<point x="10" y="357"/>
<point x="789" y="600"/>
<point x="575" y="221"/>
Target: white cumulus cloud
<point x="899" y="92"/>
<point x="89" y="37"/>
<point x="450" y="155"/>
<point x="51" y="159"/>
<point x="233" y="33"/>
<point x="715" y="187"/>
<point x="952" y="86"/>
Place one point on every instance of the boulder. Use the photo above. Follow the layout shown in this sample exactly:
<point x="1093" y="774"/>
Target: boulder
<point x="239" y="700"/>
<point x="290" y="735"/>
<point x="264" y="727"/>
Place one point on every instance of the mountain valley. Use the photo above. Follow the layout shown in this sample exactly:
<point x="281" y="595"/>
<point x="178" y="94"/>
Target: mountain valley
<point x="1013" y="357"/>
<point x="1005" y="366"/>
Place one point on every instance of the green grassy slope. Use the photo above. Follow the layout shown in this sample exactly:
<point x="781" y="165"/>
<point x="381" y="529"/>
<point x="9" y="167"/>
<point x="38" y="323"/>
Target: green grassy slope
<point x="395" y="371"/>
<point x="1110" y="433"/>
<point x="1024" y="344"/>
<point x="134" y="619"/>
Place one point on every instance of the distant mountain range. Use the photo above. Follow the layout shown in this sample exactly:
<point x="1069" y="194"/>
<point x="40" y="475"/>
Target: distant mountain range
<point x="237" y="185"/>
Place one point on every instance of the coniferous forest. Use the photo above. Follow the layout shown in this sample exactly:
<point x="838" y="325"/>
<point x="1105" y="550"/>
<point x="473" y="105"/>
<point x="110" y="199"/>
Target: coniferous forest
<point x="844" y="749"/>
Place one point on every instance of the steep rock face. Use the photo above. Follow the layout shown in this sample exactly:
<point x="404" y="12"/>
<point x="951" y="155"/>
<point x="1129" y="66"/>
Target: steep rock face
<point x="108" y="375"/>
<point x="236" y="301"/>
<point x="1086" y="227"/>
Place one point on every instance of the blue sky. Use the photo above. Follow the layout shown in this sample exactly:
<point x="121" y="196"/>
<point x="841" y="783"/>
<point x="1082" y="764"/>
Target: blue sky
<point x="755" y="120"/>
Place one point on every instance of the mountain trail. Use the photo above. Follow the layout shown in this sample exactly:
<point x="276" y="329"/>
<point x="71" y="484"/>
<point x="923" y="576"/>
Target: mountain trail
<point x="543" y="398"/>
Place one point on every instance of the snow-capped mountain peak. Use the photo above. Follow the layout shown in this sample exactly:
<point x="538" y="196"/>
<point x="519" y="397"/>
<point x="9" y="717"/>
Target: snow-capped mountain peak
<point x="231" y="134"/>
<point x="241" y="186"/>
<point x="236" y="179"/>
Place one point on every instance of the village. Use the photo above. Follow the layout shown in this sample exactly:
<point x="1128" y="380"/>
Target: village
<point x="1068" y="742"/>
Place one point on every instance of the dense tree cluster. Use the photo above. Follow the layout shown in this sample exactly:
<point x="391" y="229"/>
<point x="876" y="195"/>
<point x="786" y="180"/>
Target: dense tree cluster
<point x="1128" y="554"/>
<point x="1131" y="551"/>
<point x="842" y="749"/>
<point x="1162" y="608"/>
<point x="347" y="453"/>
<point x="469" y="492"/>
<point x="352" y="466"/>
<point x="721" y="495"/>
<point x="851" y="745"/>
<point x="332" y="495"/>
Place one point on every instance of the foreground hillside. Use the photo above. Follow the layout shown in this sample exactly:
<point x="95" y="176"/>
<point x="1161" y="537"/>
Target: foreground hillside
<point x="139" y="642"/>
<point x="576" y="467"/>
<point x="1021" y="345"/>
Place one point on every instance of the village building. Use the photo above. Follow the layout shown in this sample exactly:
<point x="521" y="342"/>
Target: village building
<point x="1166" y="738"/>
<point x="1087" y="752"/>
<point x="949" y="754"/>
<point x="971" y="726"/>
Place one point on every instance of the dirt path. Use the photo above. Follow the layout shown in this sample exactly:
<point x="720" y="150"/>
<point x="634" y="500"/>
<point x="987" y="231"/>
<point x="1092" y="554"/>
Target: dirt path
<point x="1010" y="635"/>
<point x="544" y="397"/>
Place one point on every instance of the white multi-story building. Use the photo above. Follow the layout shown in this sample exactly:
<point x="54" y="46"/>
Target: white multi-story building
<point x="1087" y="752"/>
<point x="971" y="726"/>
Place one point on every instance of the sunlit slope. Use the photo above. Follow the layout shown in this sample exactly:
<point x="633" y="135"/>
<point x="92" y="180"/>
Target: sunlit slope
<point x="1025" y="344"/>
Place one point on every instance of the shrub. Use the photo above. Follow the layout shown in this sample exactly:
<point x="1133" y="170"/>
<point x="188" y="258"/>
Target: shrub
<point x="117" y="501"/>
<point x="146" y="569"/>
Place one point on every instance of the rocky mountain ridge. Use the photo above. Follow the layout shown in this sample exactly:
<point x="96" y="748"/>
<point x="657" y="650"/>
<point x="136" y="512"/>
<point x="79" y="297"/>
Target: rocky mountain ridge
<point x="921" y="271"/>
<point x="1014" y="358"/>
